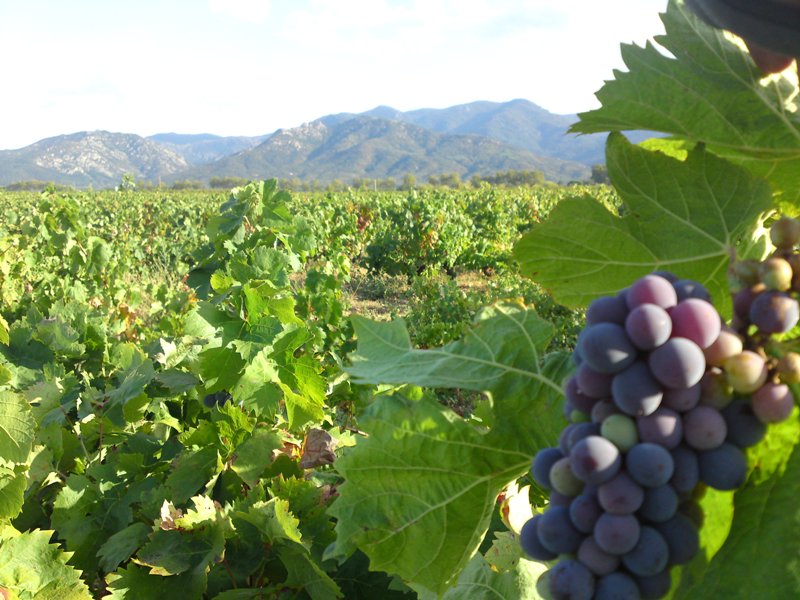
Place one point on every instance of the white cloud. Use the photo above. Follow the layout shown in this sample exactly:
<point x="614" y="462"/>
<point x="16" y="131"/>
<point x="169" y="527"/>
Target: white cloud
<point x="249" y="11"/>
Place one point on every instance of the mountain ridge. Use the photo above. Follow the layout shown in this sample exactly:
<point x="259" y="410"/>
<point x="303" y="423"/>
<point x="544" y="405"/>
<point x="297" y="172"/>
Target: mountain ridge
<point x="477" y="138"/>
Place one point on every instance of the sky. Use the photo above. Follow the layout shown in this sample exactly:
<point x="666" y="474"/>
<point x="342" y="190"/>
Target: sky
<point x="249" y="67"/>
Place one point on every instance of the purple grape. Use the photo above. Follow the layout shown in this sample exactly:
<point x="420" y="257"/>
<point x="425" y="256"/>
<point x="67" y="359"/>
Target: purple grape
<point x="678" y="363"/>
<point x="649" y="465"/>
<point x="660" y="504"/>
<point x="686" y="471"/>
<point x="663" y="427"/>
<point x="529" y="540"/>
<point x="581" y="431"/>
<point x="576" y="398"/>
<point x="650" y="555"/>
<point x="570" y="580"/>
<point x="686" y="288"/>
<point x="556" y="531"/>
<point x="593" y="384"/>
<point x="558" y="499"/>
<point x="723" y="468"/>
<point x="584" y="512"/>
<point x="616" y="586"/>
<point x="648" y="326"/>
<point x="682" y="538"/>
<point x="655" y="586"/>
<point x="595" y="460"/>
<point x="681" y="400"/>
<point x="744" y="428"/>
<point x="604" y="409"/>
<point x="605" y="348"/>
<point x="651" y="289"/>
<point x="595" y="559"/>
<point x="773" y="403"/>
<point x="616" y="534"/>
<point x="704" y="428"/>
<point x="774" y="312"/>
<point x="744" y="298"/>
<point x="608" y="309"/>
<point x="563" y="438"/>
<point x="542" y="463"/>
<point x="715" y="389"/>
<point x="668" y="275"/>
<point x="621" y="495"/>
<point x="696" y="320"/>
<point x="635" y="391"/>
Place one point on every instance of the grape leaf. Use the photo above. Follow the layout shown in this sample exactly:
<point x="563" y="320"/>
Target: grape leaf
<point x="761" y="552"/>
<point x="420" y="490"/>
<point x="708" y="90"/>
<point x="3" y="331"/>
<point x="136" y="583"/>
<point x="193" y="470"/>
<point x="480" y="582"/>
<point x="121" y="546"/>
<point x="306" y="574"/>
<point x="12" y="491"/>
<point x="255" y="454"/>
<point x="17" y="427"/>
<point x="682" y="216"/>
<point x="51" y="579"/>
<point x="506" y="341"/>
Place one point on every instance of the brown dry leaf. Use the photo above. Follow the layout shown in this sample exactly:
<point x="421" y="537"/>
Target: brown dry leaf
<point x="318" y="449"/>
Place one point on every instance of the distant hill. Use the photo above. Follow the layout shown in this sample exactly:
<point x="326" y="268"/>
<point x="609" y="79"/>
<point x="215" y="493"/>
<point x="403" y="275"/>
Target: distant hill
<point x="519" y="122"/>
<point x="361" y="146"/>
<point x="204" y="148"/>
<point x="90" y="158"/>
<point x="468" y="139"/>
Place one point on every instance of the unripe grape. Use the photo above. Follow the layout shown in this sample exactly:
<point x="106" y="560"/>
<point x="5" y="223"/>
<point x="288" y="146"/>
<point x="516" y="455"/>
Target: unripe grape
<point x="789" y="368"/>
<point x="728" y="343"/>
<point x="563" y="480"/>
<point x="621" y="431"/>
<point x="747" y="272"/>
<point x="776" y="274"/>
<point x="785" y="233"/>
<point x="746" y="371"/>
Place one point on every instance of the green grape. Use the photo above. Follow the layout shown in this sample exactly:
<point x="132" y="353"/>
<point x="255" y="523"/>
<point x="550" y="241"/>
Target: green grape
<point x="776" y="274"/>
<point x="746" y="371"/>
<point x="785" y="233"/>
<point x="621" y="431"/>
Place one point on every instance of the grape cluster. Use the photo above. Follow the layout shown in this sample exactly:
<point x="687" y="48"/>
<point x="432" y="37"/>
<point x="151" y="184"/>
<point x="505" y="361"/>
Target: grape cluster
<point x="219" y="398"/>
<point x="658" y="411"/>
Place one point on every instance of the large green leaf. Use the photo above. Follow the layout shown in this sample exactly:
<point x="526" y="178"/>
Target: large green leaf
<point x="420" y="490"/>
<point x="35" y="569"/>
<point x="684" y="216"/>
<point x="507" y="341"/>
<point x="707" y="90"/>
<point x="17" y="427"/>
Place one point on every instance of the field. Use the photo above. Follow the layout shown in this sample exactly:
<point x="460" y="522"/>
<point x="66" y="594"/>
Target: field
<point x="176" y="365"/>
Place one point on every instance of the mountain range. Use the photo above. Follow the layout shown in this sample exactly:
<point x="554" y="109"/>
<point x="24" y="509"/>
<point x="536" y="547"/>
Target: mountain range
<point x="479" y="138"/>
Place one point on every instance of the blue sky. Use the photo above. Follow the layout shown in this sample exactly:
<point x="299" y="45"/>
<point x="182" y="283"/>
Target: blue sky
<point x="248" y="67"/>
